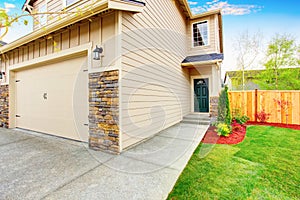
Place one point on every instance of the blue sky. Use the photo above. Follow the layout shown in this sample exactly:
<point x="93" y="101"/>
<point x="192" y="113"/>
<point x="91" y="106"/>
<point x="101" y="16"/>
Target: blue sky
<point x="266" y="16"/>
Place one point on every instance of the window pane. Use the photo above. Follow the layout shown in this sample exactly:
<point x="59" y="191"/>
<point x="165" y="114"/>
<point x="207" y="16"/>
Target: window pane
<point x="200" y="34"/>
<point x="69" y="2"/>
<point x="42" y="17"/>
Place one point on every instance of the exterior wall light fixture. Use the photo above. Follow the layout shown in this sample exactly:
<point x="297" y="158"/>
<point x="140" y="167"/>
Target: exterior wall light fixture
<point x="97" y="53"/>
<point x="2" y="74"/>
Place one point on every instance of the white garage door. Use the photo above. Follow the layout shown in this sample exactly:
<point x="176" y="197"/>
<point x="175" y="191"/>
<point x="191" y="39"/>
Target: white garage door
<point x="53" y="99"/>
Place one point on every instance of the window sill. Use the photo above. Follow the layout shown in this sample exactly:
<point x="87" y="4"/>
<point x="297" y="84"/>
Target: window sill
<point x="201" y="47"/>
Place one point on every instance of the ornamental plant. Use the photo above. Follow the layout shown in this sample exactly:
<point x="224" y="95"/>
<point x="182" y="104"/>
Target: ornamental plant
<point x="223" y="129"/>
<point x="262" y="116"/>
<point x="224" y="114"/>
<point x="284" y="105"/>
<point x="238" y="117"/>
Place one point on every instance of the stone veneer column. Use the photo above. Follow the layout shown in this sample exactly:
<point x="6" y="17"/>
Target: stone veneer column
<point x="104" y="111"/>
<point x="214" y="106"/>
<point x="4" y="106"/>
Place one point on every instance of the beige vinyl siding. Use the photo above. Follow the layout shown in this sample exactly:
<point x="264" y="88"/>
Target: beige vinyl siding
<point x="213" y="36"/>
<point x="56" y="6"/>
<point x="77" y="34"/>
<point x="155" y="89"/>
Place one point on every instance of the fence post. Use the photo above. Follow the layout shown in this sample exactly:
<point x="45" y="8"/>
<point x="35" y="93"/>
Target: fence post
<point x="255" y="106"/>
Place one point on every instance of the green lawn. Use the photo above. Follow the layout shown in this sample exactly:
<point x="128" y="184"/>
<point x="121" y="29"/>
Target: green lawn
<point x="266" y="165"/>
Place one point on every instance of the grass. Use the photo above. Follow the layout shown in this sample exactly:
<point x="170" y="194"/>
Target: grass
<point x="266" y="165"/>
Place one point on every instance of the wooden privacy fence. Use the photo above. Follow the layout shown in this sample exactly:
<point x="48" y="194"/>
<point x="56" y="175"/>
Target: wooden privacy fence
<point x="283" y="106"/>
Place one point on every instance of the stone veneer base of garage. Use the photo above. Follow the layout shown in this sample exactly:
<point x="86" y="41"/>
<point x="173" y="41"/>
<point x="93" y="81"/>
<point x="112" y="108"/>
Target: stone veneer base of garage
<point x="104" y="111"/>
<point x="4" y="106"/>
<point x="213" y="106"/>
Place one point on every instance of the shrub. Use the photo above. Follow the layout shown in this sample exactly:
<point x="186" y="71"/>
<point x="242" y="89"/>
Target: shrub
<point x="262" y="116"/>
<point x="223" y="129"/>
<point x="238" y="117"/>
<point x="224" y="114"/>
<point x="241" y="119"/>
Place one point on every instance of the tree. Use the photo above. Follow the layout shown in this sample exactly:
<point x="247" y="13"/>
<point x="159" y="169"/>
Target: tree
<point x="224" y="114"/>
<point x="247" y="47"/>
<point x="7" y="20"/>
<point x="282" y="53"/>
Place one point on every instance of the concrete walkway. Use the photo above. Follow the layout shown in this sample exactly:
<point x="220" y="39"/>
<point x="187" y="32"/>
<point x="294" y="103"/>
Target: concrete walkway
<point x="36" y="166"/>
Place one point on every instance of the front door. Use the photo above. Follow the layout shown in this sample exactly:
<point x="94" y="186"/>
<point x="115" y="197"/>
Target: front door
<point x="201" y="95"/>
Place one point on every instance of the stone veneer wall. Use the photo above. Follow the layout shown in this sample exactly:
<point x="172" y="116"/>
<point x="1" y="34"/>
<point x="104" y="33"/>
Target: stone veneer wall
<point x="214" y="106"/>
<point x="4" y="106"/>
<point x="104" y="111"/>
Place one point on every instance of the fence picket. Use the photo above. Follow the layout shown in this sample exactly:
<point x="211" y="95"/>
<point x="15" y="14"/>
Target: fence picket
<point x="251" y="102"/>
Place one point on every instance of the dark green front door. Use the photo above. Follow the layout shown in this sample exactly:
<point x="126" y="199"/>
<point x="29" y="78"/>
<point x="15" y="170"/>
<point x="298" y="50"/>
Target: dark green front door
<point x="201" y="95"/>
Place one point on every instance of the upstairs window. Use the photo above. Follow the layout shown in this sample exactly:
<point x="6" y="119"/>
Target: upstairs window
<point x="43" y="17"/>
<point x="200" y="34"/>
<point x="69" y="2"/>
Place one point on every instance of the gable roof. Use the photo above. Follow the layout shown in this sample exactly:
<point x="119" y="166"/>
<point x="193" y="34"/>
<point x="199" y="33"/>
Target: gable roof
<point x="2" y="43"/>
<point x="29" y="4"/>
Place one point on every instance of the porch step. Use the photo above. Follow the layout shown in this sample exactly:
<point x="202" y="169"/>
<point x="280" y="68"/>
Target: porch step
<point x="200" y="119"/>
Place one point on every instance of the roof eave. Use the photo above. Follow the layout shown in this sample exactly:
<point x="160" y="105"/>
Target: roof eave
<point x="207" y="62"/>
<point x="71" y="19"/>
<point x="205" y="14"/>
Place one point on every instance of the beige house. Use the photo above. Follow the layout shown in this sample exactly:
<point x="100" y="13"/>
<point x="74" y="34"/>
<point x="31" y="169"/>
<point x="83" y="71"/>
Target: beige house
<point x="111" y="72"/>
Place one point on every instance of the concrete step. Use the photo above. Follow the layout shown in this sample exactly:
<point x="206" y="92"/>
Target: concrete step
<point x="193" y="121"/>
<point x="200" y="119"/>
<point x="196" y="117"/>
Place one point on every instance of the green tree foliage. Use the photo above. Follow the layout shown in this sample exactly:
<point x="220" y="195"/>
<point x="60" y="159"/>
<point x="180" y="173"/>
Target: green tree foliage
<point x="224" y="114"/>
<point x="282" y="52"/>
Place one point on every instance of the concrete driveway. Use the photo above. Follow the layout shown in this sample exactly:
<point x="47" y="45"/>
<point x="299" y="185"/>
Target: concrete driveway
<point x="37" y="166"/>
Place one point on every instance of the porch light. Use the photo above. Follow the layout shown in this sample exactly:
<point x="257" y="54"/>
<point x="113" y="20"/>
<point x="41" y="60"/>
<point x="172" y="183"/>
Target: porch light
<point x="2" y="74"/>
<point x="97" y="52"/>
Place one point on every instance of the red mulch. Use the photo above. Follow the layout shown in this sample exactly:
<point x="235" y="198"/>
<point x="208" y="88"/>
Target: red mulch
<point x="238" y="133"/>
<point x="291" y="126"/>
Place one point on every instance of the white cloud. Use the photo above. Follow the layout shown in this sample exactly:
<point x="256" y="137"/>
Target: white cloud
<point x="227" y="8"/>
<point x="193" y="3"/>
<point x="8" y="6"/>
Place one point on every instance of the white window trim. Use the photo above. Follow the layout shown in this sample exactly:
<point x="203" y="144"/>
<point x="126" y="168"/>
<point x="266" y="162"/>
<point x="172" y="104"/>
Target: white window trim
<point x="208" y="32"/>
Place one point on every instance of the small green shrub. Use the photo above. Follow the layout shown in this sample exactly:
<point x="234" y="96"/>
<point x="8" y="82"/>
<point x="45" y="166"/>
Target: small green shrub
<point x="241" y="119"/>
<point x="223" y="129"/>
<point x="238" y="117"/>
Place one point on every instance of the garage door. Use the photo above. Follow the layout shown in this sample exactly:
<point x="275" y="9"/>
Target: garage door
<point x="53" y="99"/>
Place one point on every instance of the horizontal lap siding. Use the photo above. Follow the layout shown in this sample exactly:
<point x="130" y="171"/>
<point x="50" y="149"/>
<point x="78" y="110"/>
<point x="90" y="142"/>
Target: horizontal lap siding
<point x="155" y="89"/>
<point x="78" y="34"/>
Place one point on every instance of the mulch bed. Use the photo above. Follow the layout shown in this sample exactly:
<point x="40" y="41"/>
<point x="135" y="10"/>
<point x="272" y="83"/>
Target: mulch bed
<point x="291" y="126"/>
<point x="238" y="133"/>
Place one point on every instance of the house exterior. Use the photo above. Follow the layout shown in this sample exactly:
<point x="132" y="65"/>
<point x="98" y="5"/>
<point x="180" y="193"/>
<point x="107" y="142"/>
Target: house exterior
<point x="234" y="79"/>
<point x="158" y="63"/>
